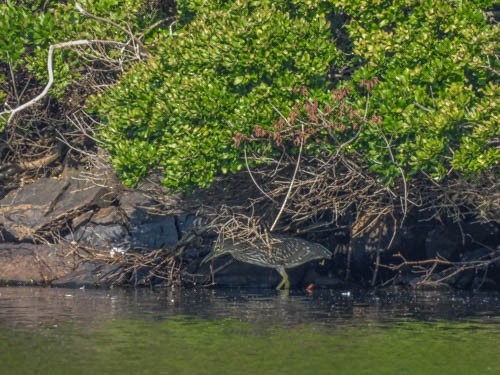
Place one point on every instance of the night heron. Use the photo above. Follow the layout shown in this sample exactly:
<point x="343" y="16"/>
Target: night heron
<point x="280" y="253"/>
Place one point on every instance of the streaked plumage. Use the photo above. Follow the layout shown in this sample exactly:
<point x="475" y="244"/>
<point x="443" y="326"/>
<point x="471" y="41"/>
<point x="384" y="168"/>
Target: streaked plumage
<point x="281" y="253"/>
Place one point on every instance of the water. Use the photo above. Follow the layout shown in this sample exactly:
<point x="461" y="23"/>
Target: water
<point x="65" y="331"/>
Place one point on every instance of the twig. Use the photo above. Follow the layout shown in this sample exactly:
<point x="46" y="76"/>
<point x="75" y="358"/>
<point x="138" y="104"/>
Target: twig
<point x="253" y="179"/>
<point x="136" y="41"/>
<point x="14" y="85"/>
<point x="291" y="184"/>
<point x="405" y="187"/>
<point x="422" y="107"/>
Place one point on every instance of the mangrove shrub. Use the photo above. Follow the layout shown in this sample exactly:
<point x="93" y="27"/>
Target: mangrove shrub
<point x="227" y="67"/>
<point x="437" y="62"/>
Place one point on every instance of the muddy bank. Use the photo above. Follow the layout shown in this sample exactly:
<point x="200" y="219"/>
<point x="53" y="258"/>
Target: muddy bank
<point x="72" y="231"/>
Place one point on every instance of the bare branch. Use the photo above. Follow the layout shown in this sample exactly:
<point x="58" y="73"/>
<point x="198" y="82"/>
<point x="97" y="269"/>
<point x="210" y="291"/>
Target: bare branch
<point x="52" y="48"/>
<point x="139" y="46"/>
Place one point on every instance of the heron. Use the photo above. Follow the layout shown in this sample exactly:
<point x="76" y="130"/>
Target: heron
<point x="280" y="253"/>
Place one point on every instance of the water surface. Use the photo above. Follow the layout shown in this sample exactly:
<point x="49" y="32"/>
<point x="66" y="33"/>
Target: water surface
<point x="66" y="331"/>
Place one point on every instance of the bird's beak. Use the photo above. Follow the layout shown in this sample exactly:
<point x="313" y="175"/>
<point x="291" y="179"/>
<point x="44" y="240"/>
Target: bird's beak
<point x="208" y="257"/>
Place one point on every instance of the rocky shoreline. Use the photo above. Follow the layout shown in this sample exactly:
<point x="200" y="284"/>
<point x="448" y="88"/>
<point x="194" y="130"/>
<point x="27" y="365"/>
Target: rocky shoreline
<point x="71" y="231"/>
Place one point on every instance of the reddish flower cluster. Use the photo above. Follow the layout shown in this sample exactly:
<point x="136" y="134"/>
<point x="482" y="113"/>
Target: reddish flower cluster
<point x="337" y="116"/>
<point x="312" y="110"/>
<point x="293" y="113"/>
<point x="238" y="137"/>
<point x="369" y="83"/>
<point x="376" y="119"/>
<point x="341" y="94"/>
<point x="259" y="131"/>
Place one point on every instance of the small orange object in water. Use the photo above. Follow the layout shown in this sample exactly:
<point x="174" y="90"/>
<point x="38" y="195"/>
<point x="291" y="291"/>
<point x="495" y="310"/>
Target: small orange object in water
<point x="310" y="288"/>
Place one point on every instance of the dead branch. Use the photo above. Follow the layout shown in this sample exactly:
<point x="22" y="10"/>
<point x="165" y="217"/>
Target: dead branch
<point x="52" y="48"/>
<point x="438" y="261"/>
<point x="428" y="267"/>
<point x="138" y="46"/>
<point x="287" y="196"/>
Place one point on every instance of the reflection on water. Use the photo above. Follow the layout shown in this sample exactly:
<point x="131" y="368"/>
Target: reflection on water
<point x="31" y="307"/>
<point x="63" y="331"/>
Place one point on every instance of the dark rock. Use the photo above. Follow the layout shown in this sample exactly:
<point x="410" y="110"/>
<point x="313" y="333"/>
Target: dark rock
<point x="477" y="254"/>
<point x="90" y="274"/>
<point x="137" y="206"/>
<point x="463" y="280"/>
<point x="185" y="222"/>
<point x="474" y="278"/>
<point x="484" y="283"/>
<point x="102" y="237"/>
<point x="106" y="228"/>
<point x="135" y="223"/>
<point x="496" y="260"/>
<point x="481" y="234"/>
<point x="148" y="227"/>
<point x="6" y="236"/>
<point x="324" y="282"/>
<point x="32" y="264"/>
<point x="444" y="241"/>
<point x="371" y="236"/>
<point x="25" y="211"/>
<point x="157" y="232"/>
<point x="108" y="216"/>
<point x="82" y="219"/>
<point x="410" y="240"/>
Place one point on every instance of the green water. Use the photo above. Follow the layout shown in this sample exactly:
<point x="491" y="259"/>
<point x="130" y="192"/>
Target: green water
<point x="250" y="334"/>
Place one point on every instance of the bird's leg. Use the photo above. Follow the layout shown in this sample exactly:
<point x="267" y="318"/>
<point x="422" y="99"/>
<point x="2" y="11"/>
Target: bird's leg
<point x="268" y="244"/>
<point x="285" y="283"/>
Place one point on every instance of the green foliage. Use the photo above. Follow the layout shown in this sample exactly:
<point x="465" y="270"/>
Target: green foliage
<point x="230" y="66"/>
<point x="28" y="31"/>
<point x="438" y="95"/>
